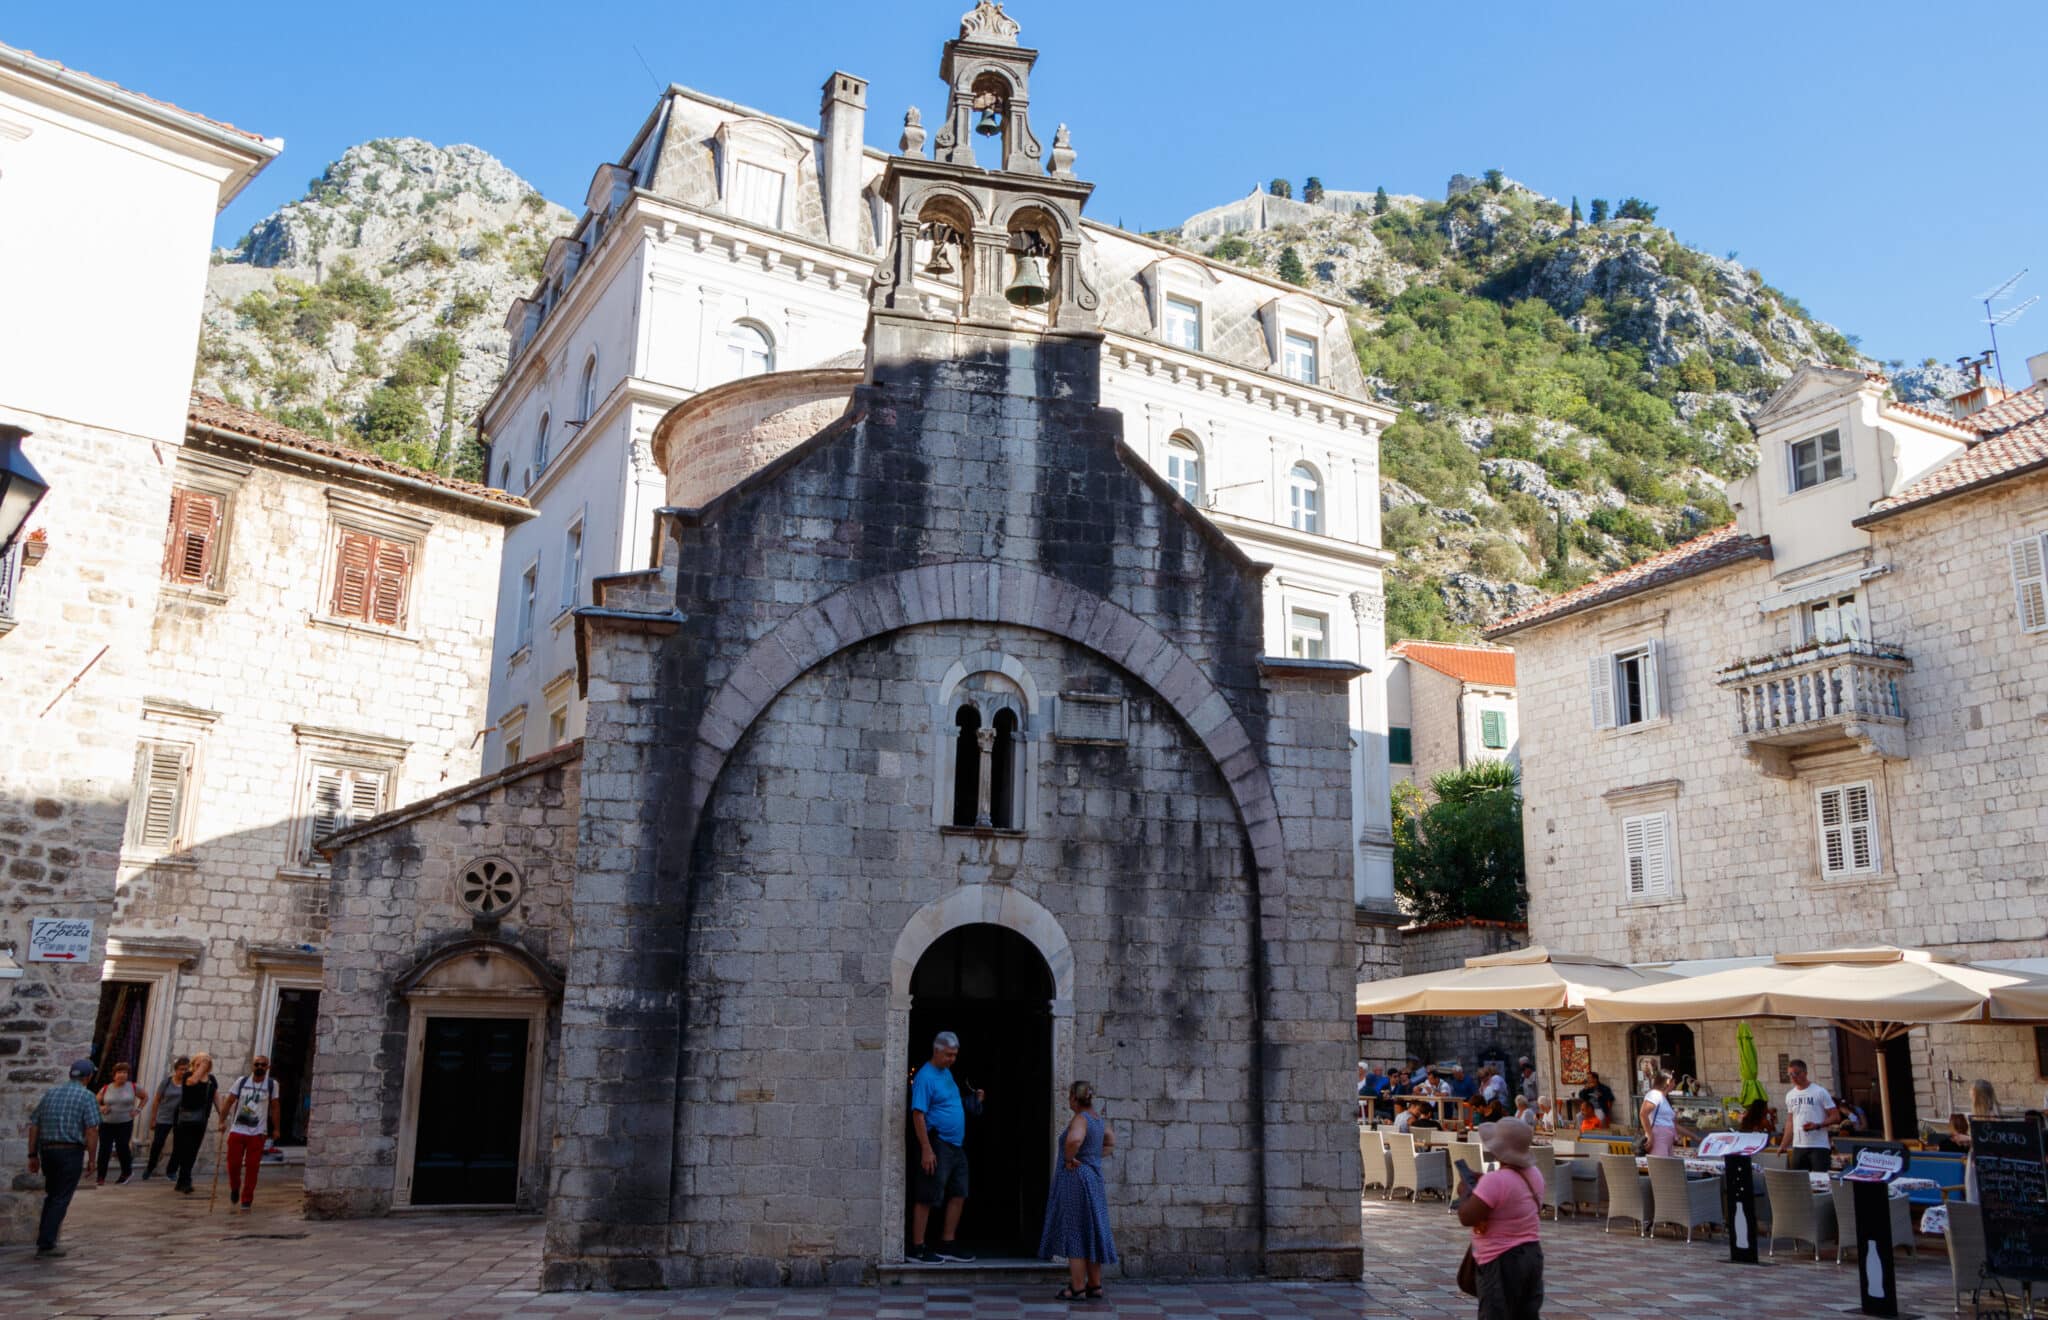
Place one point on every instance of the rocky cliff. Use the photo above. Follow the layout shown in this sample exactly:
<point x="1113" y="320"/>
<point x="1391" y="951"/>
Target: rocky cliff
<point x="371" y="310"/>
<point x="1576" y="392"/>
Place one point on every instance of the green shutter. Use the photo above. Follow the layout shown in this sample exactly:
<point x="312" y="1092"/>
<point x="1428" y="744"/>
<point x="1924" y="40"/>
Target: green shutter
<point x="1493" y="728"/>
<point x="1399" y="751"/>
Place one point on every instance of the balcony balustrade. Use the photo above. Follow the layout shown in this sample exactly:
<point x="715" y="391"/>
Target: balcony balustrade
<point x="1825" y="692"/>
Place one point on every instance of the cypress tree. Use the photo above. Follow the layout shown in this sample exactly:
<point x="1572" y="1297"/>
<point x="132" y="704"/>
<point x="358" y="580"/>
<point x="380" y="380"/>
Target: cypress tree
<point x="1379" y="200"/>
<point x="1312" y="189"/>
<point x="1599" y="215"/>
<point x="1280" y="188"/>
<point x="1291" y="268"/>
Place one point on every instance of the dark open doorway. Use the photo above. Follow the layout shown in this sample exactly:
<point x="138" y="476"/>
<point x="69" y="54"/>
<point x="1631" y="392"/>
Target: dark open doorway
<point x="117" y="1035"/>
<point x="1665" y="1045"/>
<point x="989" y="986"/>
<point x="472" y="1099"/>
<point x="291" y="1059"/>
<point x="1856" y="1074"/>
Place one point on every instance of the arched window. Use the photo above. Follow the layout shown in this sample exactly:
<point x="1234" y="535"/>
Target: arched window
<point x="1002" y="787"/>
<point x="749" y="351"/>
<point x="540" y="444"/>
<point x="1304" y="499"/>
<point x="505" y="475"/>
<point x="1184" y="468"/>
<point x="590" y="387"/>
<point x="967" y="766"/>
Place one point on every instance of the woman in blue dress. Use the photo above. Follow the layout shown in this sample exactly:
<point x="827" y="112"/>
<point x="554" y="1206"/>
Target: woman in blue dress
<point x="1077" y="1210"/>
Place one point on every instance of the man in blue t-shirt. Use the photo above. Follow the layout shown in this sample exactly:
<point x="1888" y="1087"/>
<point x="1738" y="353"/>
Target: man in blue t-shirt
<point x="938" y="1114"/>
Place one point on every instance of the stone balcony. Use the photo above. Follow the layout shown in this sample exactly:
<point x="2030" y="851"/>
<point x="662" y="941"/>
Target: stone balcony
<point x="1820" y="694"/>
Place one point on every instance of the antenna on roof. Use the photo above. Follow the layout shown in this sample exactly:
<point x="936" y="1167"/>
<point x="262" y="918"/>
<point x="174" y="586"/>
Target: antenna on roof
<point x="657" y="82"/>
<point x="2004" y="316"/>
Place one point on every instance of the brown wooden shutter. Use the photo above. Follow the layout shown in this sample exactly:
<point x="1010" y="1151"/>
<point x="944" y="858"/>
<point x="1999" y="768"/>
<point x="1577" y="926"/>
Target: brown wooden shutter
<point x="354" y="562"/>
<point x="391" y="568"/>
<point x="192" y="539"/>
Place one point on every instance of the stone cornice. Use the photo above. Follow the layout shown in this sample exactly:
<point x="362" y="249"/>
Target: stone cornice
<point x="1245" y="384"/>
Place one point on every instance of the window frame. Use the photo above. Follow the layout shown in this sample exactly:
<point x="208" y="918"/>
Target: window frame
<point x="572" y="563"/>
<point x="179" y="527"/>
<point x="1821" y="457"/>
<point x="180" y="759"/>
<point x="1665" y="884"/>
<point x="2027" y="557"/>
<point x="1847" y="828"/>
<point x="1491" y="719"/>
<point x="352" y="775"/>
<point x="558" y="725"/>
<point x="740" y="356"/>
<point x="1290" y="341"/>
<point x="540" y="441"/>
<point x="400" y="530"/>
<point x="1191" y="317"/>
<point x="1400" y="739"/>
<point x="1176" y="443"/>
<point x="1305" y="498"/>
<point x="526" y="605"/>
<point x="588" y="396"/>
<point x="1605" y="672"/>
<point x="1308" y="630"/>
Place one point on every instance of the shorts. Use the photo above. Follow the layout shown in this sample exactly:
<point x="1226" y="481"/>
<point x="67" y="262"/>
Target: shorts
<point x="1813" y="1159"/>
<point x="947" y="1180"/>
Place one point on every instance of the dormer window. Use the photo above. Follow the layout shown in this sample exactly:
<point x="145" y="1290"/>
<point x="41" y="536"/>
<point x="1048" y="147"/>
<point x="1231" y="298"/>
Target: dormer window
<point x="1816" y="460"/>
<point x="758" y="162"/>
<point x="1299" y="360"/>
<point x="1184" y="323"/>
<point x="757" y="194"/>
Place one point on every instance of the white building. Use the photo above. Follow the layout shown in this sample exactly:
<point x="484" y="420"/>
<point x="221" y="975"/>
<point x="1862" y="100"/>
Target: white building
<point x="114" y="194"/>
<point x="1819" y="726"/>
<point x="1449" y="707"/>
<point x="725" y="243"/>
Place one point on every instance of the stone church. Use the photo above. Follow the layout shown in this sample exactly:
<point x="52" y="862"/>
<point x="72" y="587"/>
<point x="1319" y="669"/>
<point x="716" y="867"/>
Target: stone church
<point x="950" y="714"/>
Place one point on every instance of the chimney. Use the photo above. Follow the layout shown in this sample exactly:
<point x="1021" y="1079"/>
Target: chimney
<point x="2037" y="368"/>
<point x="842" y="123"/>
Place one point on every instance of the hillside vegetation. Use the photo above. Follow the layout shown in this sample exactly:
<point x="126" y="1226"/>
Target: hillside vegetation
<point x="1574" y="392"/>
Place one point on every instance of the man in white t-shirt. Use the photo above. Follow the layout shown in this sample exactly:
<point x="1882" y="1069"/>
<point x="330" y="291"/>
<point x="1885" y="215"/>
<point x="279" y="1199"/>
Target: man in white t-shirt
<point x="248" y="1110"/>
<point x="1809" y="1110"/>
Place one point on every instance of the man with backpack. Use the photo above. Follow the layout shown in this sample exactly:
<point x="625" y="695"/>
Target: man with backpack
<point x="249" y="1109"/>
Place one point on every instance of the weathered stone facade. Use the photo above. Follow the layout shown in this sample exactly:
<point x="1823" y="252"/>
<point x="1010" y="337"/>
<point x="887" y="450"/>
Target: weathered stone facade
<point x="1493" y="1037"/>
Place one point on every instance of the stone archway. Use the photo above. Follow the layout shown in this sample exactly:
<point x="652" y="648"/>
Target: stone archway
<point x="969" y="905"/>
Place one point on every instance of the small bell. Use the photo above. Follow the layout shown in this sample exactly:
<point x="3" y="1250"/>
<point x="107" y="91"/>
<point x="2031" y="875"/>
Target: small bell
<point x="991" y="124"/>
<point x="941" y="262"/>
<point x="1029" y="288"/>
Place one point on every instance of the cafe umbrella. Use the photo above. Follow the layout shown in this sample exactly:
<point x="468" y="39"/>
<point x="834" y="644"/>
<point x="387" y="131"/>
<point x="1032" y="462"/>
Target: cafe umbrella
<point x="1745" y="1059"/>
<point x="1544" y="988"/>
<point x="1878" y="993"/>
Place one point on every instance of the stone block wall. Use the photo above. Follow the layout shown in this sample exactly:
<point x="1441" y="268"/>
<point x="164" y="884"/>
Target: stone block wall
<point x="1467" y="1040"/>
<point x="75" y="666"/>
<point x="395" y="905"/>
<point x="1378" y="949"/>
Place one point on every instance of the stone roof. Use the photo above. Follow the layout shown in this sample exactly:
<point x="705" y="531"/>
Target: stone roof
<point x="1703" y="554"/>
<point x="49" y="66"/>
<point x="1488" y="666"/>
<point x="215" y="414"/>
<point x="2013" y="440"/>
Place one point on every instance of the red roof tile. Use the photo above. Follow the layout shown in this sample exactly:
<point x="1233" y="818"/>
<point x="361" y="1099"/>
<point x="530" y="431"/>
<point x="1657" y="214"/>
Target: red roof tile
<point x="2013" y="440"/>
<point x="60" y="67"/>
<point x="220" y="415"/>
<point x="1703" y="554"/>
<point x="1488" y="666"/>
<point x="1915" y="410"/>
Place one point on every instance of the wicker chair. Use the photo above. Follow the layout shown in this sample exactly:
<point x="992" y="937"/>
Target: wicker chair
<point x="1544" y="1160"/>
<point x="1372" y="1156"/>
<point x="1797" y="1211"/>
<point x="1768" y="1159"/>
<point x="1965" y="1237"/>
<point x="1628" y="1196"/>
<point x="1845" y="1221"/>
<point x="1416" y="1172"/>
<point x="1686" y="1202"/>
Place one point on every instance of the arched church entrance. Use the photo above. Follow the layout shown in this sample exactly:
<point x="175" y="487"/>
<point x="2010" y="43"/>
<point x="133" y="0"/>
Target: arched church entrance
<point x="991" y="987"/>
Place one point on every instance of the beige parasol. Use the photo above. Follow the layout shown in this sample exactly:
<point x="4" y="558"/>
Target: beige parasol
<point x="1877" y="993"/>
<point x="1546" y="989"/>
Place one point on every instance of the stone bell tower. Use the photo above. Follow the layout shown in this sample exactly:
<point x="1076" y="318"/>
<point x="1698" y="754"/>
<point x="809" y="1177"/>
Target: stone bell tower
<point x="990" y="242"/>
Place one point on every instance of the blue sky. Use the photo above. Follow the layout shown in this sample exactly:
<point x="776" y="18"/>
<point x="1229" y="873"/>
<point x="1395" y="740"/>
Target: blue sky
<point x="1881" y="162"/>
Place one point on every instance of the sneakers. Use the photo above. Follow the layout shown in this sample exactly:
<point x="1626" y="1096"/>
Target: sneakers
<point x="123" y="1179"/>
<point x="50" y="1253"/>
<point x="952" y="1255"/>
<point x="100" y="1181"/>
<point x="922" y="1254"/>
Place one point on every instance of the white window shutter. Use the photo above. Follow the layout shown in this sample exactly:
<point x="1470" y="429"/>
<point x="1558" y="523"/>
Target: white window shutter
<point x="365" y="795"/>
<point x="1656" y="855"/>
<point x="1635" y="868"/>
<point x="1834" y="858"/>
<point x="1861" y="825"/>
<point x="1600" y="675"/>
<point x="159" y="794"/>
<point x="2030" y="581"/>
<point x="329" y="810"/>
<point x="1653" y="681"/>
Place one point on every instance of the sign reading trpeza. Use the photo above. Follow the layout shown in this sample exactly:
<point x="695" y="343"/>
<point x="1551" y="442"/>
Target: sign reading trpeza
<point x="59" y="939"/>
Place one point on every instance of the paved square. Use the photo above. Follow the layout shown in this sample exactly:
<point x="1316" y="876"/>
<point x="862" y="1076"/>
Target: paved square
<point x="143" y="1250"/>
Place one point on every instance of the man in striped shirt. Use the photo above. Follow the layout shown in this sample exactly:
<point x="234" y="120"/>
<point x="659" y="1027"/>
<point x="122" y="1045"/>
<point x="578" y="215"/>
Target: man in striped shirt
<point x="63" y="1135"/>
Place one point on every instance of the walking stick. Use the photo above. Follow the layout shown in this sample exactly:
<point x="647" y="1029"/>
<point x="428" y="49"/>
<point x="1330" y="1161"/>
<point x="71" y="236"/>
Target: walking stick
<point x="220" y="1157"/>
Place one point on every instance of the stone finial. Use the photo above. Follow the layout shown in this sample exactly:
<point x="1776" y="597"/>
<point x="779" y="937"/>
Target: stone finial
<point x="987" y="22"/>
<point x="912" y="143"/>
<point x="1061" y="163"/>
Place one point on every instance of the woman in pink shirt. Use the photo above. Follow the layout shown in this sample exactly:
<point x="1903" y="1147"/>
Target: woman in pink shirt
<point x="1503" y="1210"/>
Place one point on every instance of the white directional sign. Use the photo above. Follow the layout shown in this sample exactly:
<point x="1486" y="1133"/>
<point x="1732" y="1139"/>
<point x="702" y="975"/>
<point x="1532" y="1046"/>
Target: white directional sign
<point x="59" y="939"/>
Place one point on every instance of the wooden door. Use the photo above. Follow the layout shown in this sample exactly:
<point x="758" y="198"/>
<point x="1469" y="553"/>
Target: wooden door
<point x="472" y="1101"/>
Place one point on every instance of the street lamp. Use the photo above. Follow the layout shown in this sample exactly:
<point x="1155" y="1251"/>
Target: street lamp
<point x="21" y="486"/>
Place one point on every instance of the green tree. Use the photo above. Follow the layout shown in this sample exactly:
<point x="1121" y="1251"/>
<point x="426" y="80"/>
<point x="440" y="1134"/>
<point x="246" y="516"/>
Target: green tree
<point x="1290" y="268"/>
<point x="1379" y="200"/>
<point x="1599" y="216"/>
<point x="1576" y="216"/>
<point x="1635" y="208"/>
<point x="1230" y="248"/>
<point x="1280" y="188"/>
<point x="1461" y="855"/>
<point x="1312" y="189"/>
<point x="1494" y="180"/>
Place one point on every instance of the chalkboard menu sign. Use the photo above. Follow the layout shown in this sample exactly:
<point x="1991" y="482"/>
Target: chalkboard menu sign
<point x="2012" y="1184"/>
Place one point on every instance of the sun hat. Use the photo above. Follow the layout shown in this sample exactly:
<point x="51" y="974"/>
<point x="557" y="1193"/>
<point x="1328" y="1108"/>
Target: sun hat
<point x="1506" y="1141"/>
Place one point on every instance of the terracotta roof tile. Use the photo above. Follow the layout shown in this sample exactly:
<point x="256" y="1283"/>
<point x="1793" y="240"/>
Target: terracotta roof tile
<point x="219" y="414"/>
<point x="61" y="67"/>
<point x="1703" y="554"/>
<point x="1941" y="418"/>
<point x="1488" y="666"/>
<point x="2013" y="439"/>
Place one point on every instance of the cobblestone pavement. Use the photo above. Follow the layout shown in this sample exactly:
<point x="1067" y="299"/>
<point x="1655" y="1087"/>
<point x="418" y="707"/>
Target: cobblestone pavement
<point x="142" y="1250"/>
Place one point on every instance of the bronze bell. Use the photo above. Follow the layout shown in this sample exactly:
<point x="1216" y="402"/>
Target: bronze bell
<point x="941" y="262"/>
<point x="991" y="124"/>
<point x="1029" y="288"/>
